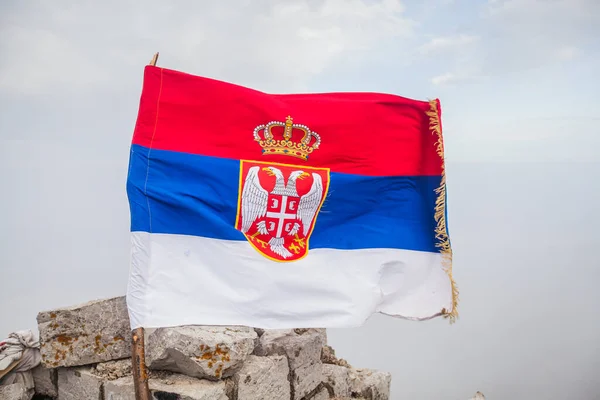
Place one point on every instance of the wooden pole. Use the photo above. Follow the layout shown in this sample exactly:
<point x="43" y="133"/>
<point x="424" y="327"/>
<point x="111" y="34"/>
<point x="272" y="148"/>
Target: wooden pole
<point x="154" y="60"/>
<point x="138" y="351"/>
<point x="138" y="359"/>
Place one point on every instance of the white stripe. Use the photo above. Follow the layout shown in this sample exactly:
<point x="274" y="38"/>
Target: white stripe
<point x="186" y="280"/>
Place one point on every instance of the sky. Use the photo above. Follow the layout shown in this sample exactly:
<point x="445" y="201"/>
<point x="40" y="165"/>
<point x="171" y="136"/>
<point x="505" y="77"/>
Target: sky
<point x="518" y="87"/>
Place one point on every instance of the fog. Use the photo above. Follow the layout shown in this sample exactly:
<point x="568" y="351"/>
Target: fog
<point x="518" y="84"/>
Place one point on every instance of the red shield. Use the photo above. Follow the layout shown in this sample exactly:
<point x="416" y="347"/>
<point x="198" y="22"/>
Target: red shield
<point x="278" y="205"/>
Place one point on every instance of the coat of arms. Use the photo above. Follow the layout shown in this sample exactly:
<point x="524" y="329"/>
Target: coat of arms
<point x="278" y="203"/>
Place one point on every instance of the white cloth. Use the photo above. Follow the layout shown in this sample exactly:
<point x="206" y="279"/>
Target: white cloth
<point x="21" y="347"/>
<point x="188" y="280"/>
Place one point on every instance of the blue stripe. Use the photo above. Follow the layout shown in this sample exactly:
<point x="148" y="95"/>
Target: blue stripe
<point x="197" y="195"/>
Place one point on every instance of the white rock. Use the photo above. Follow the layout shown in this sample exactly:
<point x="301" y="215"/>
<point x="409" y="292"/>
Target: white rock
<point x="478" y="396"/>
<point x="370" y="384"/>
<point x="323" y="394"/>
<point x="263" y="378"/>
<point x="337" y="380"/>
<point x="78" y="384"/>
<point x="45" y="381"/>
<point x="303" y="350"/>
<point x="174" y="387"/>
<point x="15" y="391"/>
<point x="185" y="388"/>
<point x="89" y="333"/>
<point x="112" y="370"/>
<point x="200" y="351"/>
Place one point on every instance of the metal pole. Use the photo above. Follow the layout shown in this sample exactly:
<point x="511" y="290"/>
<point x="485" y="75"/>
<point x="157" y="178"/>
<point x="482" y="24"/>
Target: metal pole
<point x="138" y="359"/>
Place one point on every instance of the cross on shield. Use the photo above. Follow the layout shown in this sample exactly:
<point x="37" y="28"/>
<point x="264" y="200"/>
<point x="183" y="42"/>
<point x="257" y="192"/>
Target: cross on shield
<point x="278" y="205"/>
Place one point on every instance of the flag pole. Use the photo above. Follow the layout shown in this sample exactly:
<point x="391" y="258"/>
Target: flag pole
<point x="138" y="359"/>
<point x="154" y="60"/>
<point x="138" y="351"/>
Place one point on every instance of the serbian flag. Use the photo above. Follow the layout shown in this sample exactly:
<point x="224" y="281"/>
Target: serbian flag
<point x="284" y="211"/>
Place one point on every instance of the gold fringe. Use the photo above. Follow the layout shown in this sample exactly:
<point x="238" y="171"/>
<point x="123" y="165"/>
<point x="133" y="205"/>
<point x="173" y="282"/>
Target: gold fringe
<point x="441" y="232"/>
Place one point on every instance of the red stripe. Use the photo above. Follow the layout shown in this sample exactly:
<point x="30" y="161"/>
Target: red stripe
<point x="361" y="133"/>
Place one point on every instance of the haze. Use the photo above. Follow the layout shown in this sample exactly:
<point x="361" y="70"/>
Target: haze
<point x="519" y="90"/>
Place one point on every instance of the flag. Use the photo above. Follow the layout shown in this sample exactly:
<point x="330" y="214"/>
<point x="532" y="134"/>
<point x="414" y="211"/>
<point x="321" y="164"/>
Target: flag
<point x="284" y="210"/>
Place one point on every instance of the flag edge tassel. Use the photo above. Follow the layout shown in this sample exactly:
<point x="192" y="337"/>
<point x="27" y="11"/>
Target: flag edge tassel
<point x="441" y="231"/>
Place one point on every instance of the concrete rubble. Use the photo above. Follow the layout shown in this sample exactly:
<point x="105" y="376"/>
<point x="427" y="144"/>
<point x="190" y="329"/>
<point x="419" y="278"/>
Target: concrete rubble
<point x="86" y="354"/>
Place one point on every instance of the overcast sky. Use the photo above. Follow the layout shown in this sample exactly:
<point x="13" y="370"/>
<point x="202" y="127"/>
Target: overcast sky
<point x="519" y="90"/>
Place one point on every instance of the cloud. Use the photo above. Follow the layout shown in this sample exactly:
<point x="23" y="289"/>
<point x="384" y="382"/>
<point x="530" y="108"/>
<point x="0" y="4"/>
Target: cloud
<point x="451" y="78"/>
<point x="567" y="52"/>
<point x="458" y="52"/>
<point x="275" y="45"/>
<point x="516" y="35"/>
<point x="448" y="43"/>
<point x="542" y="32"/>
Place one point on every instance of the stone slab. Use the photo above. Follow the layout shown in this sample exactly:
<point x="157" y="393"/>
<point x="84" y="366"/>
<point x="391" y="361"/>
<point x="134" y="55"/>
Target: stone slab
<point x="263" y="378"/>
<point x="89" y="333"/>
<point x="303" y="349"/>
<point x="370" y="384"/>
<point x="185" y="388"/>
<point x="175" y="387"/>
<point x="208" y="352"/>
<point x="78" y="384"/>
<point x="322" y="394"/>
<point x="15" y="391"/>
<point x="119" y="389"/>
<point x="337" y="380"/>
<point x="45" y="381"/>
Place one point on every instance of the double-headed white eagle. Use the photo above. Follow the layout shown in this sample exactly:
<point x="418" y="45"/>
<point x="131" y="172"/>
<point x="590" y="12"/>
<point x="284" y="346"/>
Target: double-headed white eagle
<point x="255" y="203"/>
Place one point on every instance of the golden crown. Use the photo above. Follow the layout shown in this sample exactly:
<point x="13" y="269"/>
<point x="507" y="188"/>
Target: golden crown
<point x="280" y="141"/>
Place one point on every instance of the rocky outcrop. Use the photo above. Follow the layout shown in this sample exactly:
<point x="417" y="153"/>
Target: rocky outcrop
<point x="86" y="354"/>
<point x="303" y="351"/>
<point x="370" y="384"/>
<point x="263" y="378"/>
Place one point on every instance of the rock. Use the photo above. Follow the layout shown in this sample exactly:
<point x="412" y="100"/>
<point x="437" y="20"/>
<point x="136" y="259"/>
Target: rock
<point x="15" y="391"/>
<point x="209" y="352"/>
<point x="78" y="384"/>
<point x="478" y="396"/>
<point x="89" y="333"/>
<point x="185" y="388"/>
<point x="119" y="389"/>
<point x="45" y="381"/>
<point x="112" y="370"/>
<point x="172" y="386"/>
<point x="263" y="378"/>
<point x="370" y="384"/>
<point x="305" y="379"/>
<point x="337" y="380"/>
<point x="259" y="331"/>
<point x="328" y="357"/>
<point x="322" y="394"/>
<point x="303" y="351"/>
